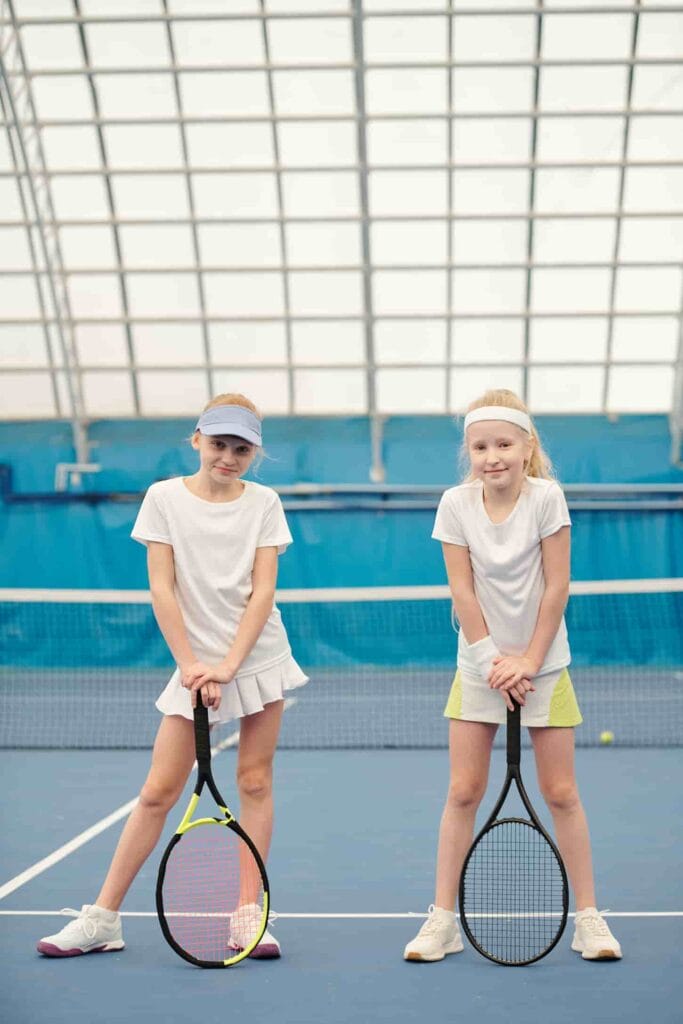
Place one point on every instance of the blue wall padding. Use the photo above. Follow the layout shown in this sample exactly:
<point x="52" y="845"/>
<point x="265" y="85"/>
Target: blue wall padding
<point x="88" y="546"/>
<point x="417" y="449"/>
<point x="583" y="449"/>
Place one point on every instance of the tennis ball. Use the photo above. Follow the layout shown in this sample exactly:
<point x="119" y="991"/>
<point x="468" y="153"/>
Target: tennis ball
<point x="606" y="737"/>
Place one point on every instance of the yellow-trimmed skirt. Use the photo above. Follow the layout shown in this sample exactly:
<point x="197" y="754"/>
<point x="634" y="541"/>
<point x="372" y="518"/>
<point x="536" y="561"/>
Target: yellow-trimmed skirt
<point x="552" y="703"/>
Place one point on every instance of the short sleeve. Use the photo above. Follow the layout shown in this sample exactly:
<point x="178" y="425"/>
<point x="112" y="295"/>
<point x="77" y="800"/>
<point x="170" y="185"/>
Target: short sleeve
<point x="554" y="512"/>
<point x="448" y="525"/>
<point x="274" y="531"/>
<point x="151" y="523"/>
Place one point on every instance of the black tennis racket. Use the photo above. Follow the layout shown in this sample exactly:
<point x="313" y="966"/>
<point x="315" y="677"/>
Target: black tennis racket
<point x="212" y="888"/>
<point x="513" y="891"/>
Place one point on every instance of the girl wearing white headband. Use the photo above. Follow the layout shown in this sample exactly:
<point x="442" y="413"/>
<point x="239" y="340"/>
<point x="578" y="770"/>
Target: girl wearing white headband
<point x="213" y="541"/>
<point x="505" y="537"/>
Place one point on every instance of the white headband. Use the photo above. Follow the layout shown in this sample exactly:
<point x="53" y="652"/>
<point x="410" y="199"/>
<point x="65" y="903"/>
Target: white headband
<point x="499" y="412"/>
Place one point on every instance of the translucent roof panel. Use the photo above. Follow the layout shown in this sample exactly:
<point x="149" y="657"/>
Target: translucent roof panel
<point x="340" y="208"/>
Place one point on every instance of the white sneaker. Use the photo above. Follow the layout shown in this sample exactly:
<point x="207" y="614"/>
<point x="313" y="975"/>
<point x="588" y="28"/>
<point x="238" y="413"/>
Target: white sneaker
<point x="243" y="927"/>
<point x="592" y="938"/>
<point x="437" y="937"/>
<point x="95" y="930"/>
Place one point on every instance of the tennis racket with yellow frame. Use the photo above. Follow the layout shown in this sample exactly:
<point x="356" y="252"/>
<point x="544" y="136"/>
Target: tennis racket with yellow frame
<point x="212" y="889"/>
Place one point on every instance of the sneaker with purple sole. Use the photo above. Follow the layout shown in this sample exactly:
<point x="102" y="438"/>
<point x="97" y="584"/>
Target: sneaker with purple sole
<point x="94" y="930"/>
<point x="245" y="922"/>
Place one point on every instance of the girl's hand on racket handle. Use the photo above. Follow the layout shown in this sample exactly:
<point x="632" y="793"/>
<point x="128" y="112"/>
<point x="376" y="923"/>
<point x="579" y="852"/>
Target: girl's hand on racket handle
<point x="511" y="669"/>
<point x="210" y="695"/>
<point x="189" y="673"/>
<point x="512" y="676"/>
<point x="208" y="686"/>
<point x="200" y="678"/>
<point x="223" y="672"/>
<point x="517" y="691"/>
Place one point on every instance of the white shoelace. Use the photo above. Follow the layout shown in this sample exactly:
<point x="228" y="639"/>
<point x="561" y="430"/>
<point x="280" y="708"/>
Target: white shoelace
<point x="595" y="923"/>
<point x="272" y="918"/>
<point x="87" y="924"/>
<point x="430" y="927"/>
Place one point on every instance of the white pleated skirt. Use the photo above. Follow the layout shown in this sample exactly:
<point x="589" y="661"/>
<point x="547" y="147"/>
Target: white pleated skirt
<point x="245" y="695"/>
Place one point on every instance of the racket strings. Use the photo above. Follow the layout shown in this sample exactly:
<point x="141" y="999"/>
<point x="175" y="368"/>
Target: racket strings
<point x="514" y="893"/>
<point x="212" y="893"/>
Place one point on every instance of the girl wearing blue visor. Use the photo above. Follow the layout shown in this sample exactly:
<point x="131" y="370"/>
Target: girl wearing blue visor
<point x="213" y="541"/>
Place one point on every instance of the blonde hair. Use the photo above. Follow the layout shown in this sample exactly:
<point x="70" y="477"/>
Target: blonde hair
<point x="539" y="464"/>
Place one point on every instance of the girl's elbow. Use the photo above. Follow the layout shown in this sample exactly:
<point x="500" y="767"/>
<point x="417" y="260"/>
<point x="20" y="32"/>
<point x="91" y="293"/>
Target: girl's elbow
<point x="265" y="595"/>
<point x="160" y="590"/>
<point x="462" y="593"/>
<point x="560" y="592"/>
<point x="464" y="600"/>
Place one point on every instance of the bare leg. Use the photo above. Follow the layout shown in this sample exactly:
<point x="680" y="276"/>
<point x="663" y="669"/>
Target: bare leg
<point x="258" y="739"/>
<point x="554" y="751"/>
<point x="470" y="753"/>
<point x="172" y="761"/>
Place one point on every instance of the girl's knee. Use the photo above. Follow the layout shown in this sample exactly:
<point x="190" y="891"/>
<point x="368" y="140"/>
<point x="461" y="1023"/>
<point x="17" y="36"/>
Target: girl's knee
<point x="158" y="797"/>
<point x="561" y="796"/>
<point x="465" y="794"/>
<point x="255" y="783"/>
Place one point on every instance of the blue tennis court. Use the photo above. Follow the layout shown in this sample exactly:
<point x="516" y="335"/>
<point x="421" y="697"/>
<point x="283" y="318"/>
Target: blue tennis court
<point x="352" y="860"/>
<point x="354" y="276"/>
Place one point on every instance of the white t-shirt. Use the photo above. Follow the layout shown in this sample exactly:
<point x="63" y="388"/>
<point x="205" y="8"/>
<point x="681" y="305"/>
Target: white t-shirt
<point x="507" y="563"/>
<point x="214" y="545"/>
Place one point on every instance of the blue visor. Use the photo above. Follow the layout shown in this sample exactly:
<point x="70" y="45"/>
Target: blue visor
<point x="234" y="420"/>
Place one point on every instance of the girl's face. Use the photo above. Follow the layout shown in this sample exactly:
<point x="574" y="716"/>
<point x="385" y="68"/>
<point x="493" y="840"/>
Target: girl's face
<point x="499" y="452"/>
<point x="223" y="457"/>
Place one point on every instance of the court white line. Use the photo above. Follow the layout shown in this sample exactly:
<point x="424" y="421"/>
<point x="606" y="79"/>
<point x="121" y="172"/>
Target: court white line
<point x="53" y="858"/>
<point x="90" y="833"/>
<point x="341" y="917"/>
<point x="606" y="913"/>
<point x="101" y="826"/>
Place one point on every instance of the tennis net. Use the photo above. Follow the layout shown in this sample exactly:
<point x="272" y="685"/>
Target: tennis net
<point x="81" y="669"/>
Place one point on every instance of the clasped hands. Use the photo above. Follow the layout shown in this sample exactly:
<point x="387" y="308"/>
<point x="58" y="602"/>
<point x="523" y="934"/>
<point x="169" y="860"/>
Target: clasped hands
<point x="512" y="675"/>
<point x="207" y="679"/>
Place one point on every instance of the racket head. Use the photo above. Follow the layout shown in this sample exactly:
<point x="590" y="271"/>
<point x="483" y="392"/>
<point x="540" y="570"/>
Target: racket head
<point x="212" y="893"/>
<point x="513" y="895"/>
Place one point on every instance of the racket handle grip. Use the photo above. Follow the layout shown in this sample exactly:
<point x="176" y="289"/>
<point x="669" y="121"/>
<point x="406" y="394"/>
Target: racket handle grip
<point x="514" y="736"/>
<point x="201" y="734"/>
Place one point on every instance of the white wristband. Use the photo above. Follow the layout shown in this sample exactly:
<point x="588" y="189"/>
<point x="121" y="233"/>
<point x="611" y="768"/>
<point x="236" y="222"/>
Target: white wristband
<point x="483" y="653"/>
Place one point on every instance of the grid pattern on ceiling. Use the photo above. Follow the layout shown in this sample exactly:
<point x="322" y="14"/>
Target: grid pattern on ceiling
<point x="341" y="207"/>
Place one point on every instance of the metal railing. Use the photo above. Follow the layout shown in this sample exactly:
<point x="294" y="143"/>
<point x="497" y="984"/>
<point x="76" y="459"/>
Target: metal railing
<point x="53" y="275"/>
